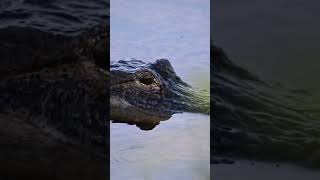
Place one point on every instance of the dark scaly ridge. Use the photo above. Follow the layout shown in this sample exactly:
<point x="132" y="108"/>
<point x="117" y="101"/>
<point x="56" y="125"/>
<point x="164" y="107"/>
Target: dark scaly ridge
<point x="58" y="82"/>
<point x="251" y="118"/>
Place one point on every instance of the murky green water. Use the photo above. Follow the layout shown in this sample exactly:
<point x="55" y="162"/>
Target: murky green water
<point x="178" y="148"/>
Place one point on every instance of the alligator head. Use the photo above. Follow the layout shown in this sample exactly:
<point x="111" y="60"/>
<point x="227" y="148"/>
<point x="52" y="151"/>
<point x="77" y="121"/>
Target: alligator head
<point x="147" y="93"/>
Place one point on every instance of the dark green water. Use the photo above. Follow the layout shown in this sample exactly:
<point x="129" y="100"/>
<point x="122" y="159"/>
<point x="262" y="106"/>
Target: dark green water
<point x="277" y="40"/>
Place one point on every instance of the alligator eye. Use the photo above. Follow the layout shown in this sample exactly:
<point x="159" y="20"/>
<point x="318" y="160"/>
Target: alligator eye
<point x="146" y="80"/>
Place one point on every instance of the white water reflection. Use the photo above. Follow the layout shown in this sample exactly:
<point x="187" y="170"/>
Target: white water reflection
<point x="177" y="30"/>
<point x="176" y="149"/>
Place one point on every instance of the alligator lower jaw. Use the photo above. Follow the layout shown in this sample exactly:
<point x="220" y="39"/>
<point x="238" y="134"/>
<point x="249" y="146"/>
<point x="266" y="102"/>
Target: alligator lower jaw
<point x="123" y="112"/>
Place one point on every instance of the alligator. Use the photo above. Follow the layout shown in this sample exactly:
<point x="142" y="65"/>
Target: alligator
<point x="146" y="93"/>
<point x="54" y="104"/>
<point x="55" y="98"/>
<point x="260" y="120"/>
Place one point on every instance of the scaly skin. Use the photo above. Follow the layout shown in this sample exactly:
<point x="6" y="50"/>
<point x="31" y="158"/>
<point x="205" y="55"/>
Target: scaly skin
<point x="259" y="120"/>
<point x="147" y="93"/>
<point x="53" y="104"/>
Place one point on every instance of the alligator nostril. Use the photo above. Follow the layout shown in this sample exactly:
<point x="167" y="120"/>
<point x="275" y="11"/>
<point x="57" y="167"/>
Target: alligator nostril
<point x="146" y="81"/>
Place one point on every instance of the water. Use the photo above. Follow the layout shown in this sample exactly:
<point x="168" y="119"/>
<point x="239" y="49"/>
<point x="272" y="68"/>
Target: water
<point x="178" y="148"/>
<point x="57" y="16"/>
<point x="275" y="39"/>
<point x="150" y="30"/>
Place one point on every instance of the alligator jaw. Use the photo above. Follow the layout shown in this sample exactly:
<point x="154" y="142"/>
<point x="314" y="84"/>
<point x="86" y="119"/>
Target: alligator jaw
<point x="123" y="112"/>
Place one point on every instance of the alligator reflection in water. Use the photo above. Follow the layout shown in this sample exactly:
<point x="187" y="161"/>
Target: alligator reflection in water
<point x="147" y="93"/>
<point x="252" y="118"/>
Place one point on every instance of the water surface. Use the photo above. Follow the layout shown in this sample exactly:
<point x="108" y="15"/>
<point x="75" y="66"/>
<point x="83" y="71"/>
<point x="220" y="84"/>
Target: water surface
<point x="176" y="149"/>
<point x="276" y="39"/>
<point x="57" y="16"/>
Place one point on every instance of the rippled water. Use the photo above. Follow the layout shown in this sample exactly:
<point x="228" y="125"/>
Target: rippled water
<point x="178" y="148"/>
<point x="149" y="30"/>
<point x="57" y="16"/>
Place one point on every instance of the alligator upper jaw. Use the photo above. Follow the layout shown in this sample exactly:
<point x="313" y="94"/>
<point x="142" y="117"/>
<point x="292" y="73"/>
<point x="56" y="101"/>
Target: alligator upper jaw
<point x="123" y="112"/>
<point x="147" y="116"/>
